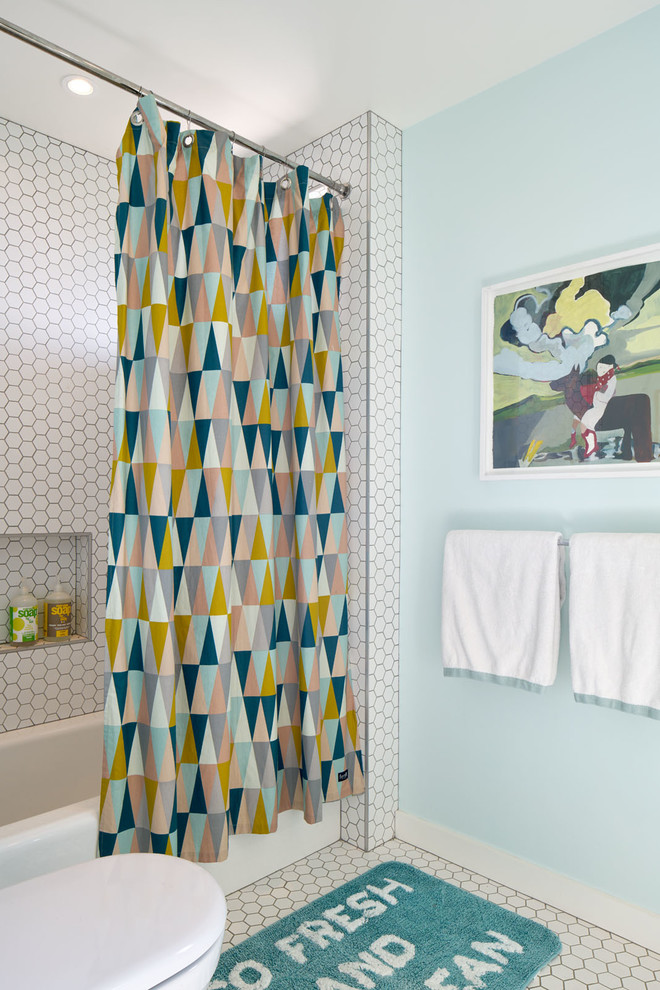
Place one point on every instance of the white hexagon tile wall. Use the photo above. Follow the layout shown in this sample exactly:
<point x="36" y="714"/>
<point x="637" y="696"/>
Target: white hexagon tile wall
<point x="384" y="475"/>
<point x="366" y="152"/>
<point x="57" y="355"/>
<point x="58" y="351"/>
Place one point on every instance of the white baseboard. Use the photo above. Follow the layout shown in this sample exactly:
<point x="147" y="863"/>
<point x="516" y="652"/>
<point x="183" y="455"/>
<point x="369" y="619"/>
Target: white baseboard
<point x="587" y="903"/>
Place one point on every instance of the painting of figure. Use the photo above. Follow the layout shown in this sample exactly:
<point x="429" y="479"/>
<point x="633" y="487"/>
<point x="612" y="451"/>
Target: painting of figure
<point x="571" y="371"/>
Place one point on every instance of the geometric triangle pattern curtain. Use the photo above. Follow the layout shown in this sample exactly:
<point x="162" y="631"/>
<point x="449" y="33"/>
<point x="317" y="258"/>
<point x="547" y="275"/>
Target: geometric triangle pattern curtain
<point x="228" y="695"/>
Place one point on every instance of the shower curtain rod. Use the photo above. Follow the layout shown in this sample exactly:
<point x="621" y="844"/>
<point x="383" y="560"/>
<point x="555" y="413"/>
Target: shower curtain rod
<point x="96" y="70"/>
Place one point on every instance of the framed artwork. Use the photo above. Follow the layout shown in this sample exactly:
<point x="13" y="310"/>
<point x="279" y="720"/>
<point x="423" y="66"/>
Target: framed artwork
<point x="571" y="371"/>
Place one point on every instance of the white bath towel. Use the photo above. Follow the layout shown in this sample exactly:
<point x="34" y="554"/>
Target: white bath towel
<point x="501" y="598"/>
<point x="614" y="616"/>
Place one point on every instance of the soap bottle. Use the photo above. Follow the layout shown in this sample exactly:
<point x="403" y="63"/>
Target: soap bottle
<point x="23" y="609"/>
<point x="57" y="613"/>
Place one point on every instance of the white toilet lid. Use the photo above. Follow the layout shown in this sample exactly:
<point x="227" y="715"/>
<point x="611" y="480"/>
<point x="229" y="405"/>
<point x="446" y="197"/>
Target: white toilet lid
<point x="118" y="923"/>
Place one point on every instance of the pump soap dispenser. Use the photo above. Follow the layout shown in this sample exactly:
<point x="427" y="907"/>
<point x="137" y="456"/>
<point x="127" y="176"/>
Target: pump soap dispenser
<point x="57" y="613"/>
<point x="23" y="610"/>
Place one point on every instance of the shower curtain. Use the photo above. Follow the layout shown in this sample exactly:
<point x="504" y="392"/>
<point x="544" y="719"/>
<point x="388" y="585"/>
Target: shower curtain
<point x="228" y="697"/>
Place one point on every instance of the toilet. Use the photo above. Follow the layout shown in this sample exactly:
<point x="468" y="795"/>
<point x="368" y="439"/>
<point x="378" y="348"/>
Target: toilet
<point x="132" y="922"/>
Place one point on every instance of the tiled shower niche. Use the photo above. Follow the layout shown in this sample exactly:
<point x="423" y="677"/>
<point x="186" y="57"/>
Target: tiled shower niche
<point x="41" y="559"/>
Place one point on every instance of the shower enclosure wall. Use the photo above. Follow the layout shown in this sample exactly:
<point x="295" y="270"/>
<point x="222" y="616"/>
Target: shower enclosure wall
<point x="57" y="352"/>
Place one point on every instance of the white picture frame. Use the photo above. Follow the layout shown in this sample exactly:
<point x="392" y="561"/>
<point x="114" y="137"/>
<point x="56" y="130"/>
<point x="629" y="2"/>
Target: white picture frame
<point x="550" y="318"/>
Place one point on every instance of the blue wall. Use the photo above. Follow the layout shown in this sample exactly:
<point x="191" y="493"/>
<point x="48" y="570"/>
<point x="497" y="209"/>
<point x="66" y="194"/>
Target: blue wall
<point x="557" y="165"/>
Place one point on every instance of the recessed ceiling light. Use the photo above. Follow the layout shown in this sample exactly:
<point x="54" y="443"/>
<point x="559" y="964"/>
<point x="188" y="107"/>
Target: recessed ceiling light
<point x="78" y="85"/>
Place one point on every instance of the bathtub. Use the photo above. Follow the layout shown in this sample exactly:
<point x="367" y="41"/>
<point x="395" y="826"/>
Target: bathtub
<point x="49" y="787"/>
<point x="49" y="766"/>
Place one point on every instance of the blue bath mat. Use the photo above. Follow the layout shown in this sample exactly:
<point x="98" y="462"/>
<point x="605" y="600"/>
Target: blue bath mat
<point x="392" y="928"/>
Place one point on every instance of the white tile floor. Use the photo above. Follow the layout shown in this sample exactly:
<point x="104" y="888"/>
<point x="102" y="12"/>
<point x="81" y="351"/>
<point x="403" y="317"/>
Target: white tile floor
<point x="591" y="957"/>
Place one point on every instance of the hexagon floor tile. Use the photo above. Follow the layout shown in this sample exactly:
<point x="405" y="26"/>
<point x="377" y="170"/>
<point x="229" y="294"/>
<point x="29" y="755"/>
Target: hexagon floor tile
<point x="591" y="958"/>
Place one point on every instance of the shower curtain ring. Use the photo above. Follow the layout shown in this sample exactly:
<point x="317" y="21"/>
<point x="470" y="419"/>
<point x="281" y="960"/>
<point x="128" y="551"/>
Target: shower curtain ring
<point x="189" y="138"/>
<point x="136" y="116"/>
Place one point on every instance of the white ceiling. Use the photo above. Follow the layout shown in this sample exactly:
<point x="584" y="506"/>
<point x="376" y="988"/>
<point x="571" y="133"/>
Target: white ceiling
<point x="282" y="73"/>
